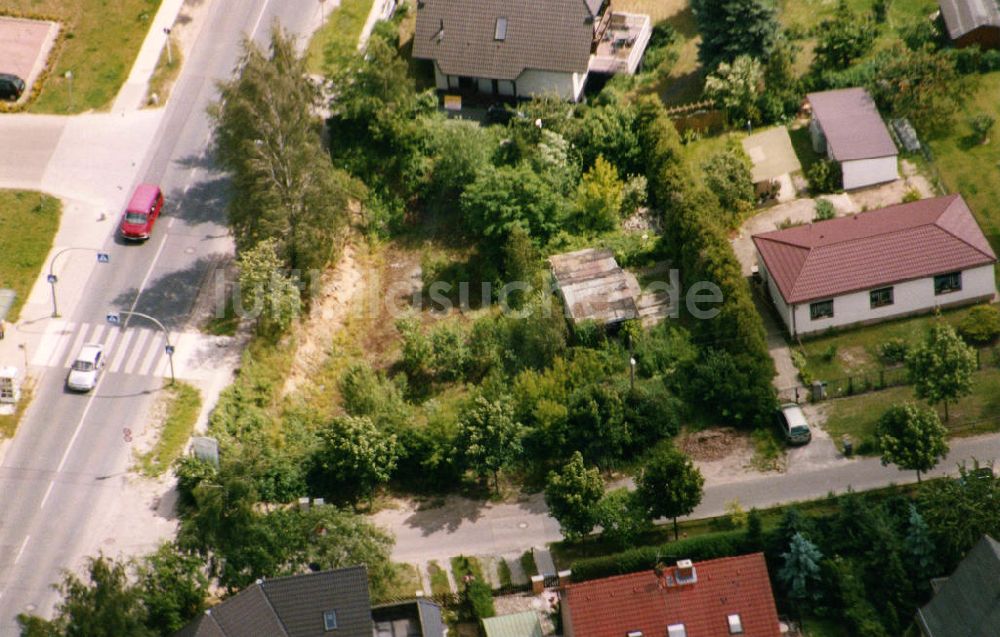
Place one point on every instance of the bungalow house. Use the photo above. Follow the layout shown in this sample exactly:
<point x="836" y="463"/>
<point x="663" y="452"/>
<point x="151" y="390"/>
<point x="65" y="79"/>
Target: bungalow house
<point x="900" y="260"/>
<point x="847" y="128"/>
<point x="967" y="604"/>
<point x="971" y="22"/>
<point x="318" y="604"/>
<point x="524" y="48"/>
<point x="714" y="598"/>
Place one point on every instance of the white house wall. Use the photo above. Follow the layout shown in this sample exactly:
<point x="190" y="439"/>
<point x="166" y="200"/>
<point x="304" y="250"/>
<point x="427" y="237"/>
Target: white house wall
<point x="859" y="173"/>
<point x="569" y="86"/>
<point x="910" y="297"/>
<point x="440" y="79"/>
<point x="779" y="303"/>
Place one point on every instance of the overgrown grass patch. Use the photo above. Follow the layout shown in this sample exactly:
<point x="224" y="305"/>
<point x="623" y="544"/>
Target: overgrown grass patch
<point x="439" y="579"/>
<point x="504" y="574"/>
<point x="337" y="40"/>
<point x="28" y="223"/>
<point x="462" y="566"/>
<point x="100" y="42"/>
<point x="405" y="583"/>
<point x="168" y="67"/>
<point x="183" y="405"/>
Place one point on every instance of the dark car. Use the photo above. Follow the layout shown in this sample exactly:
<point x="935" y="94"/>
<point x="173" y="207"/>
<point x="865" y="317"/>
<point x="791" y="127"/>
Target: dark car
<point x="11" y="86"/>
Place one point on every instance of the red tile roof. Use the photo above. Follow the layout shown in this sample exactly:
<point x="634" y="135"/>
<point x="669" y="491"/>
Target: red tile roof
<point x="873" y="249"/>
<point x="616" y="606"/>
<point x="851" y="124"/>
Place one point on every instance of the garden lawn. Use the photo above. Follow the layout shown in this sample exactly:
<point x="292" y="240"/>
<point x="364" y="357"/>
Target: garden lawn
<point x="858" y="415"/>
<point x="28" y="223"/>
<point x="337" y="40"/>
<point x="974" y="169"/>
<point x="807" y="14"/>
<point x="855" y="351"/>
<point x="99" y="42"/>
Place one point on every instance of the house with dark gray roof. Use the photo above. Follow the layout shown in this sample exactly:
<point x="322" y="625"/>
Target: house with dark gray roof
<point x="871" y="266"/>
<point x="967" y="604"/>
<point x="325" y="604"/>
<point x="847" y="128"/>
<point x="971" y="22"/>
<point x="524" y="48"/>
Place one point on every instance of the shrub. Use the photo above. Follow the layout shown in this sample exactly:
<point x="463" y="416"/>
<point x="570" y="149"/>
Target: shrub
<point x="894" y="351"/>
<point x="981" y="326"/>
<point x="911" y="195"/>
<point x="824" y="210"/>
<point x="823" y="176"/>
<point x="980" y="125"/>
<point x="829" y="353"/>
<point x="480" y="599"/>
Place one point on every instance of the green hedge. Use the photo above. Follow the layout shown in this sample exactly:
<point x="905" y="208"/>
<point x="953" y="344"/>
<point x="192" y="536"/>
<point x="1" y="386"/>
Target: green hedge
<point x="698" y="243"/>
<point x="702" y="547"/>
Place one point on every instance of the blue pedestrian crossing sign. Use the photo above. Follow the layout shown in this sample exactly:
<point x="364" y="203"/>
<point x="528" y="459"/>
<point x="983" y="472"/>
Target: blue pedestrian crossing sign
<point x="170" y="350"/>
<point x="52" y="278"/>
<point x="114" y="318"/>
<point x="103" y="257"/>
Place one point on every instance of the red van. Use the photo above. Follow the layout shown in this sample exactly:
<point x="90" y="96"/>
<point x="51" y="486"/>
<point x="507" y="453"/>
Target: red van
<point x="141" y="212"/>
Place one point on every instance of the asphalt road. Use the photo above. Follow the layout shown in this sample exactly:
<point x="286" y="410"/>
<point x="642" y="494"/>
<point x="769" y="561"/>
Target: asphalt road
<point x="66" y="463"/>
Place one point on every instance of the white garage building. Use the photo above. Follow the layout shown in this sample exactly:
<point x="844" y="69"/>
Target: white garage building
<point x="900" y="260"/>
<point x="848" y="129"/>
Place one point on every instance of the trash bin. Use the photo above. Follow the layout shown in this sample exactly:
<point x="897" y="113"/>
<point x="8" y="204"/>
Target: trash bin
<point x="848" y="446"/>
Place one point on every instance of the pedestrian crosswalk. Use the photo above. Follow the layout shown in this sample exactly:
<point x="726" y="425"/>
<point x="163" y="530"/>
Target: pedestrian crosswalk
<point x="135" y="350"/>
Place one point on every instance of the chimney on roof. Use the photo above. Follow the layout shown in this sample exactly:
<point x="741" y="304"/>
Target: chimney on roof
<point x="685" y="573"/>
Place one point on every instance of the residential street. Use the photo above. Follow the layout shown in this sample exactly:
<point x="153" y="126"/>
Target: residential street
<point x="66" y="468"/>
<point x="464" y="527"/>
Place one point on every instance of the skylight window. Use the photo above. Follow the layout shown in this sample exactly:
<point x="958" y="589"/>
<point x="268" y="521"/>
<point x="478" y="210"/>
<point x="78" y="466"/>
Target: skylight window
<point x="735" y="624"/>
<point x="676" y="630"/>
<point x="329" y="620"/>
<point x="501" y="31"/>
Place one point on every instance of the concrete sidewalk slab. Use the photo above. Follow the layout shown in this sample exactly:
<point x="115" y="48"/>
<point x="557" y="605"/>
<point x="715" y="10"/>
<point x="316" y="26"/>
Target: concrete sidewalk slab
<point x="131" y="95"/>
<point x="29" y="143"/>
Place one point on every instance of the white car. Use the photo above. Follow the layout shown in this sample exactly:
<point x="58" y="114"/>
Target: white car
<point x="86" y="367"/>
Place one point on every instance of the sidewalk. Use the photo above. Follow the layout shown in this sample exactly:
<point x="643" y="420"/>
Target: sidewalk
<point x="132" y="93"/>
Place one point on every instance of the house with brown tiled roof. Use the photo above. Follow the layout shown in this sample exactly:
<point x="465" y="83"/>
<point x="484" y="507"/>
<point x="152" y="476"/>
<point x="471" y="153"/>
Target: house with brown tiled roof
<point x="896" y="261"/>
<point x="847" y="128"/>
<point x="525" y="48"/>
<point x="713" y="598"/>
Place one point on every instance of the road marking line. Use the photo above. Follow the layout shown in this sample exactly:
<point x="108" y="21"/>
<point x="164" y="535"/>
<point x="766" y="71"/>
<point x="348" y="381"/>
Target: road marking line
<point x="137" y="350"/>
<point x="48" y="344"/>
<point x="259" y="18"/>
<point x="170" y="224"/>
<point x="65" y="340"/>
<point x="121" y="351"/>
<point x="76" y="433"/>
<point x="145" y="279"/>
<point x="155" y="349"/>
<point x="21" y="551"/>
<point x="81" y="338"/>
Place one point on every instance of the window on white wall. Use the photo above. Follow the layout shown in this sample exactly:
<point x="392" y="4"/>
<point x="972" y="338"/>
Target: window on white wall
<point x="881" y="297"/>
<point x="821" y="310"/>
<point x="945" y="283"/>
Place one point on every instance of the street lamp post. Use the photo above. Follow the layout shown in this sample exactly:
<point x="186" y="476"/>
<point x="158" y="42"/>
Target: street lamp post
<point x="170" y="53"/>
<point x="102" y="257"/>
<point x="69" y="78"/>
<point x="114" y="318"/>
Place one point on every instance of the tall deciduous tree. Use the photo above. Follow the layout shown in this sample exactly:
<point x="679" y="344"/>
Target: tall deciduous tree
<point x="961" y="511"/>
<point x="800" y="572"/>
<point x="844" y="38"/>
<point x="173" y="587"/>
<point x="731" y="28"/>
<point x="941" y="367"/>
<point x="572" y="496"/>
<point x="103" y="605"/>
<point x="735" y="88"/>
<point x="622" y="517"/>
<point x="670" y="485"/>
<point x="491" y="436"/>
<point x="265" y="291"/>
<point x="268" y="137"/>
<point x="911" y="438"/>
<point x="921" y="85"/>
<point x="728" y="174"/>
<point x="354" y="458"/>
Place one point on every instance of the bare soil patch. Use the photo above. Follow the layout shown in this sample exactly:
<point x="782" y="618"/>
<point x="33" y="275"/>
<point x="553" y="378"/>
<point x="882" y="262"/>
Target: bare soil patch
<point x="711" y="444"/>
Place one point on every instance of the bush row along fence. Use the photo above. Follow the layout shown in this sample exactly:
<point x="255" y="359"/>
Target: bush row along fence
<point x="882" y="378"/>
